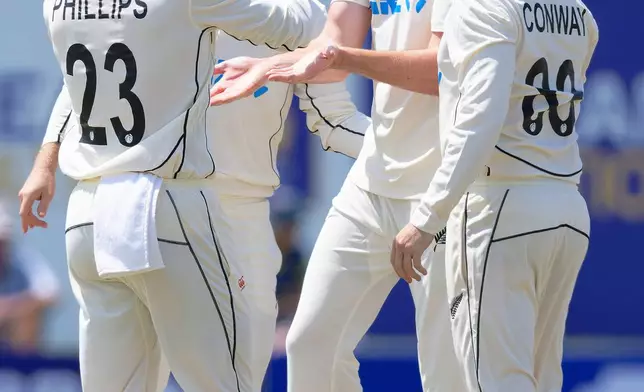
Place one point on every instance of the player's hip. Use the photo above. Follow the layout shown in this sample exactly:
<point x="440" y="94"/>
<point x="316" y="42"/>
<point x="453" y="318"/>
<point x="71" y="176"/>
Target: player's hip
<point x="191" y="197"/>
<point x="519" y="208"/>
<point x="379" y="213"/>
<point x="245" y="185"/>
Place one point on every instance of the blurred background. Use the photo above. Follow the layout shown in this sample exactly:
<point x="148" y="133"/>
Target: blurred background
<point x="605" y="341"/>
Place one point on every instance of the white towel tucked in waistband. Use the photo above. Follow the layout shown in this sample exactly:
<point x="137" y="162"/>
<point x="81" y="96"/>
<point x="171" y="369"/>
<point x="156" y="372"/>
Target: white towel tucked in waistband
<point x="125" y="235"/>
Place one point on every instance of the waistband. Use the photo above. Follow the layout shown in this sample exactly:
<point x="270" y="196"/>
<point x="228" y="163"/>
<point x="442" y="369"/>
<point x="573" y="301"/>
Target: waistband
<point x="230" y="186"/>
<point x="487" y="177"/>
<point x="222" y="184"/>
<point x="172" y="182"/>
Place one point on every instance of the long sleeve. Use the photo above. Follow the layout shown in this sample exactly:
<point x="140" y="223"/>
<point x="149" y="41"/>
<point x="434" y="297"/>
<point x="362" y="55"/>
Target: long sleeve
<point x="331" y="115"/>
<point x="440" y="9"/>
<point x="59" y="118"/>
<point x="277" y="23"/>
<point x="483" y="48"/>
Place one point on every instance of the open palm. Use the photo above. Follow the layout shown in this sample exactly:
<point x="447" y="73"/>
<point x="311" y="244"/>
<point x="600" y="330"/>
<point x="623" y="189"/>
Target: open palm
<point x="241" y="77"/>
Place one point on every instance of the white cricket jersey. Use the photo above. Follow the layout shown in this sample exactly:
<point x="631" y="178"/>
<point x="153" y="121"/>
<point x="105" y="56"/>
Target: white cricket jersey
<point x="439" y="14"/>
<point x="513" y="74"/>
<point x="138" y="75"/>
<point x="399" y="158"/>
<point x="244" y="135"/>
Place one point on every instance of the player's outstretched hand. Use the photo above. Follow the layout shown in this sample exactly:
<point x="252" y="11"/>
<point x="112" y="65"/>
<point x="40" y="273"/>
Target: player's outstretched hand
<point x="40" y="186"/>
<point x="308" y="68"/>
<point x="407" y="251"/>
<point x="240" y="77"/>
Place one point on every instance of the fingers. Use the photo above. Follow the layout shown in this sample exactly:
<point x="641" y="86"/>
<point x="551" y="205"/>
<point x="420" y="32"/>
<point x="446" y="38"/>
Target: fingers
<point x="397" y="262"/>
<point x="408" y="267"/>
<point x="418" y="263"/>
<point x="43" y="205"/>
<point x="26" y="203"/>
<point x="220" y="68"/>
<point x="27" y="219"/>
<point x="225" y="97"/>
<point x="217" y="89"/>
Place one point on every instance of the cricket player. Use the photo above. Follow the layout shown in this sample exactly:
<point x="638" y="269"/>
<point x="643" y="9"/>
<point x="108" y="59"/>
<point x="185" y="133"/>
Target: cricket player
<point x="150" y="256"/>
<point x="513" y="74"/>
<point x="349" y="274"/>
<point x="245" y="136"/>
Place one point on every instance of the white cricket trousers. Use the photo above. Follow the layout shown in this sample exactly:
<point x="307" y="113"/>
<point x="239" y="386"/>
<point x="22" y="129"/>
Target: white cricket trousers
<point x="193" y="310"/>
<point x="260" y="260"/>
<point x="347" y="280"/>
<point x="513" y="255"/>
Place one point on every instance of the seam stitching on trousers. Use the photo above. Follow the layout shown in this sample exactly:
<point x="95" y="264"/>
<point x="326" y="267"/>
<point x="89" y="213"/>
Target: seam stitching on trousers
<point x="221" y="256"/>
<point x="78" y="226"/>
<point x="467" y="278"/>
<point x="478" y="316"/>
<point x="564" y="225"/>
<point x="205" y="280"/>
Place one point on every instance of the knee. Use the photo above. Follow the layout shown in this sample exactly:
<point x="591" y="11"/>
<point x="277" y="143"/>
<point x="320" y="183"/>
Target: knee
<point x="296" y="345"/>
<point x="303" y="344"/>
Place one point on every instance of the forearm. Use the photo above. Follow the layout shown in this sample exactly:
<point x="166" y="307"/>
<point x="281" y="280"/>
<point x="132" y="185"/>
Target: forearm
<point x="482" y="110"/>
<point x="47" y="158"/>
<point x="413" y="70"/>
<point x="347" y="25"/>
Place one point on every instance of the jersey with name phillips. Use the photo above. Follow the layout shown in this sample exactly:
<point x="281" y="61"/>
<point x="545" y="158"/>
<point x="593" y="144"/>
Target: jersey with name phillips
<point x="244" y="136"/>
<point x="138" y="74"/>
<point x="400" y="156"/>
<point x="513" y="75"/>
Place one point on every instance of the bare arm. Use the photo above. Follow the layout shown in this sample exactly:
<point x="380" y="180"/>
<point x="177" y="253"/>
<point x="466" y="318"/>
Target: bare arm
<point x="41" y="183"/>
<point x="347" y="25"/>
<point x="47" y="158"/>
<point x="416" y="70"/>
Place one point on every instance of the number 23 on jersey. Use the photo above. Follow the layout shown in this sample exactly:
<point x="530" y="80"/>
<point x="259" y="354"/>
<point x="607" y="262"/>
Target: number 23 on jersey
<point x="97" y="135"/>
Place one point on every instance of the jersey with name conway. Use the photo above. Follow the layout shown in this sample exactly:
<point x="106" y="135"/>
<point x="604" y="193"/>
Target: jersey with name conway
<point x="554" y="43"/>
<point x="399" y="158"/>
<point x="138" y="75"/>
<point x="513" y="74"/>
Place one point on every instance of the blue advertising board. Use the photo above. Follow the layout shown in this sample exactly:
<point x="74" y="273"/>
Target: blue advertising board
<point x="33" y="374"/>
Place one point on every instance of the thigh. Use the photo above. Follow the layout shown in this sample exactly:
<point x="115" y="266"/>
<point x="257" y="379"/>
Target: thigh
<point x="259" y="257"/>
<point x="493" y="297"/>
<point x="260" y="260"/>
<point x="196" y="301"/>
<point x="347" y="280"/>
<point x="436" y="355"/>
<point x="118" y="347"/>
<point x="555" y="285"/>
